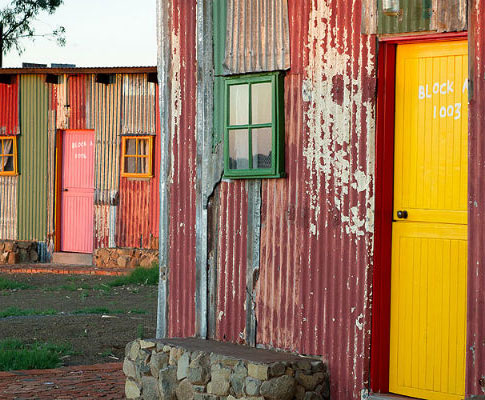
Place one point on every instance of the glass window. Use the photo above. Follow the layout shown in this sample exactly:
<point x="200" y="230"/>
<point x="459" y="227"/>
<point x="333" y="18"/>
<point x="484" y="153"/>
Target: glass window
<point x="8" y="155"/>
<point x="137" y="156"/>
<point x="254" y="126"/>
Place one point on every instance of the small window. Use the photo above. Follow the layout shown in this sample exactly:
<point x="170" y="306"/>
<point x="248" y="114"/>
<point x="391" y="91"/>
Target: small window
<point x="136" y="159"/>
<point x="254" y="126"/>
<point x="8" y="155"/>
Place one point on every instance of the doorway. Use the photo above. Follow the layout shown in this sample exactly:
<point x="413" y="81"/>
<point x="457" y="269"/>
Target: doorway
<point x="77" y="191"/>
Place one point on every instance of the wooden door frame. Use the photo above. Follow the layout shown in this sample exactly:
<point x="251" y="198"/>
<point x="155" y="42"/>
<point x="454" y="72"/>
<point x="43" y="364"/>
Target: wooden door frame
<point x="384" y="190"/>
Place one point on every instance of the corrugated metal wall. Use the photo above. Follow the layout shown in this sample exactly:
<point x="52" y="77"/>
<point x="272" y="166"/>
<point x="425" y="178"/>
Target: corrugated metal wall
<point x="257" y="36"/>
<point x="475" y="380"/>
<point x="9" y="125"/>
<point x="183" y="170"/>
<point x="138" y="212"/>
<point x="107" y="122"/>
<point x="33" y="155"/>
<point x="232" y="263"/>
<point x="416" y="16"/>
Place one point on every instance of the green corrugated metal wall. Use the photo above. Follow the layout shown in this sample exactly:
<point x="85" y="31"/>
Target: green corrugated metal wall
<point x="33" y="144"/>
<point x="416" y="17"/>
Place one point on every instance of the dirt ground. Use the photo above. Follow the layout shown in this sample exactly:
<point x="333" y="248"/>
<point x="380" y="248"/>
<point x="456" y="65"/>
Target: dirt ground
<point x="95" y="338"/>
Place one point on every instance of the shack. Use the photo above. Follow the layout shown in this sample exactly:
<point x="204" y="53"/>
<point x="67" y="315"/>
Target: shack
<point x="79" y="162"/>
<point x="322" y="165"/>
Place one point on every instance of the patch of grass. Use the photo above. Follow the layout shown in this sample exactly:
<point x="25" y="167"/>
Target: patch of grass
<point x="15" y="355"/>
<point x="70" y="287"/>
<point x="137" y="311"/>
<point x="97" y="310"/>
<point x="7" y="284"/>
<point x="139" y="276"/>
<point x="18" y="312"/>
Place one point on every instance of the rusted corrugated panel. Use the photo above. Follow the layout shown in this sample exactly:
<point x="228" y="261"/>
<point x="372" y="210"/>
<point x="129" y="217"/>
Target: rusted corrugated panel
<point x="134" y="227"/>
<point x="451" y="15"/>
<point x="101" y="225"/>
<point x="369" y="17"/>
<point x="63" y="112"/>
<point x="138" y="105"/>
<point x="33" y="153"/>
<point x="155" y="182"/>
<point x="9" y="110"/>
<point x="8" y="207"/>
<point x="257" y="36"/>
<point x="77" y="86"/>
<point x="475" y="357"/>
<point x="415" y="16"/>
<point x="317" y="224"/>
<point x="108" y="129"/>
<point x="232" y="263"/>
<point x="183" y="171"/>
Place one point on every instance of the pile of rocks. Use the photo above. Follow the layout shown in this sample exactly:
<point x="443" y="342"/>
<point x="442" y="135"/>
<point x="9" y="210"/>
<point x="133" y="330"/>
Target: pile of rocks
<point x="194" y="369"/>
<point x="18" y="252"/>
<point x="125" y="258"/>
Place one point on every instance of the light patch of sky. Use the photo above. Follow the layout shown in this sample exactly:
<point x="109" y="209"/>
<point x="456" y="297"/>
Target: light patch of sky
<point x="99" y="33"/>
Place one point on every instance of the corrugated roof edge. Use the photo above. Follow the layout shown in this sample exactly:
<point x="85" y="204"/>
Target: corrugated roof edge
<point x="79" y="70"/>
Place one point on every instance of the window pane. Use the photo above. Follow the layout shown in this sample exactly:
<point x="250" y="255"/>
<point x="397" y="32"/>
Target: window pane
<point x="142" y="163"/>
<point x="239" y="104"/>
<point x="261" y="103"/>
<point x="143" y="147"/>
<point x="130" y="165"/>
<point x="238" y="149"/>
<point x="130" y="146"/>
<point x="262" y="140"/>
<point x="7" y="163"/>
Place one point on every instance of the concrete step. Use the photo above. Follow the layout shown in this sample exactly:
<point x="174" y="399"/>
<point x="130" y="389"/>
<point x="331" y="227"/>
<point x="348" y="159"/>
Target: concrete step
<point x="72" y="258"/>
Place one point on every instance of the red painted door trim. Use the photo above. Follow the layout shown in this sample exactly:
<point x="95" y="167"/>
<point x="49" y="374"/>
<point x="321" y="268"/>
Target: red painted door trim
<point x="384" y="187"/>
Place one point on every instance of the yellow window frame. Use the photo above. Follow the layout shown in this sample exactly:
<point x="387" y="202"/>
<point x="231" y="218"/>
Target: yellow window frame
<point x="12" y="153"/>
<point x="149" y="156"/>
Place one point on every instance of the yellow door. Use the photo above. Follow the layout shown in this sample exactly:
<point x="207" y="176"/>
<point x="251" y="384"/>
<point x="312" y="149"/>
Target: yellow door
<point x="429" y="244"/>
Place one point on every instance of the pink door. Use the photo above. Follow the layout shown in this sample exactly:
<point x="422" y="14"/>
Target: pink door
<point x="77" y="192"/>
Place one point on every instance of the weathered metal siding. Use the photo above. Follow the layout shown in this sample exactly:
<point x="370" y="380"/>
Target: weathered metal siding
<point x="317" y="224"/>
<point x="77" y="105"/>
<point x="183" y="170"/>
<point x="9" y="112"/>
<point x="257" y="36"/>
<point x="107" y="122"/>
<point x="9" y="125"/>
<point x="137" y="212"/>
<point x="33" y="155"/>
<point x="475" y="357"/>
<point x="232" y="263"/>
<point x="416" y="16"/>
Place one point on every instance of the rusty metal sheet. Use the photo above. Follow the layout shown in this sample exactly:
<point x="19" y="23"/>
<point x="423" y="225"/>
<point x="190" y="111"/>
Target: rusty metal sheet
<point x="182" y="277"/>
<point x="232" y="263"/>
<point x="415" y="16"/>
<point x="9" y="112"/>
<point x="76" y="103"/>
<point x="451" y="15"/>
<point x="369" y="17"/>
<point x="138" y="105"/>
<point x="101" y="225"/>
<point x="8" y="207"/>
<point x="317" y="224"/>
<point x="63" y="112"/>
<point x="475" y="357"/>
<point x="257" y="36"/>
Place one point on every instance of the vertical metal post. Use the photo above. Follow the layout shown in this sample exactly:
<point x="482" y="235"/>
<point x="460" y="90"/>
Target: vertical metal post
<point x="164" y="61"/>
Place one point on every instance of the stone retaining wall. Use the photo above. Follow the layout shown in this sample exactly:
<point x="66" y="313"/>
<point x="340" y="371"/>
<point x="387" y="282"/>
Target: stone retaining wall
<point x="170" y="370"/>
<point x="125" y="258"/>
<point x="18" y="252"/>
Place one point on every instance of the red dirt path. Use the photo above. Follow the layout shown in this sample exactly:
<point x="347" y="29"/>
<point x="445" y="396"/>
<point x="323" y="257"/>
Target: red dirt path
<point x="100" y="381"/>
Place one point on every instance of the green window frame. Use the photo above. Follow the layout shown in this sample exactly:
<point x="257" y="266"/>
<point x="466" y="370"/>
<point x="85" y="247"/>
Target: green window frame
<point x="244" y="137"/>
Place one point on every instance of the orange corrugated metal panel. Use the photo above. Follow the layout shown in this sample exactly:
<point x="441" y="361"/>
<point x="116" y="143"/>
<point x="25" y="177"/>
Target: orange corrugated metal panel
<point x="232" y="263"/>
<point x="475" y="357"/>
<point x="9" y="111"/>
<point x="257" y="37"/>
<point x="182" y="180"/>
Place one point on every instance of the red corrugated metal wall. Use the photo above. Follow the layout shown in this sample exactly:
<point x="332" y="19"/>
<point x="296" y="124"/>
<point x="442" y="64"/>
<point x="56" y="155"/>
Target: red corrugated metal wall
<point x="183" y="171"/>
<point x="9" y="108"/>
<point x="77" y="101"/>
<point x="232" y="263"/>
<point x="475" y="380"/>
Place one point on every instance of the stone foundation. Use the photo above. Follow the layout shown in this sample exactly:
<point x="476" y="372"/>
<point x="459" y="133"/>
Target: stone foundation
<point x="124" y="258"/>
<point x="18" y="252"/>
<point x="194" y="369"/>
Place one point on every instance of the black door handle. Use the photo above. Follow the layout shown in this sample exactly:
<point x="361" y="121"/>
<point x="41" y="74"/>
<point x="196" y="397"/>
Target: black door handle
<point x="65" y="190"/>
<point x="403" y="214"/>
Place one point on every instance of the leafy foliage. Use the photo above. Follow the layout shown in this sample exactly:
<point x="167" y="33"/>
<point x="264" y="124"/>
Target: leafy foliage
<point x="17" y="20"/>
